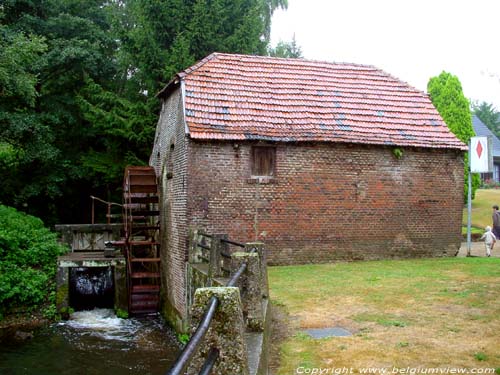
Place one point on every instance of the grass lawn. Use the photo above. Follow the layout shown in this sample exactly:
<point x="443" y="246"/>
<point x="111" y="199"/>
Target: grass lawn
<point x="481" y="208"/>
<point x="424" y="313"/>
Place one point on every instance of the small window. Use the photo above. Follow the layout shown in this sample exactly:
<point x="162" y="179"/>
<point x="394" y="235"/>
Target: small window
<point x="263" y="161"/>
<point x="170" y="162"/>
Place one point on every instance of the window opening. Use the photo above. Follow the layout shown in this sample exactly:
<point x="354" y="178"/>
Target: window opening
<point x="263" y="161"/>
<point x="170" y="162"/>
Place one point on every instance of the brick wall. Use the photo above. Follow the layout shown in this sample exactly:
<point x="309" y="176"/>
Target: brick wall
<point x="330" y="202"/>
<point x="327" y="202"/>
<point x="169" y="157"/>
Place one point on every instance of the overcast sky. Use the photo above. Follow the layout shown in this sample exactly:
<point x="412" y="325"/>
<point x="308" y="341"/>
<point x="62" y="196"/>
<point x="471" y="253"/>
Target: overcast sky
<point x="412" y="40"/>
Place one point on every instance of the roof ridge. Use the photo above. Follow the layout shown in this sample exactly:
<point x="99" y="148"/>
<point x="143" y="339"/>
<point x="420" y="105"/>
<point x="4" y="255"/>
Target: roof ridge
<point x="215" y="55"/>
<point x="250" y="56"/>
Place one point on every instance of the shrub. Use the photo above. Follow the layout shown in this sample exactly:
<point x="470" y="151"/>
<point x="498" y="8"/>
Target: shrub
<point x="28" y="254"/>
<point x="490" y="184"/>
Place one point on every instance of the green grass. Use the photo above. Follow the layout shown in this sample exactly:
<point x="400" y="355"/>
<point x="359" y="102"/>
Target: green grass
<point x="480" y="356"/>
<point x="382" y="319"/>
<point x="420" y="312"/>
<point x="374" y="282"/>
<point x="481" y="208"/>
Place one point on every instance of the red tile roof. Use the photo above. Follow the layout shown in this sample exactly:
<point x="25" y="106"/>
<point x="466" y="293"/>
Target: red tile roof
<point x="238" y="97"/>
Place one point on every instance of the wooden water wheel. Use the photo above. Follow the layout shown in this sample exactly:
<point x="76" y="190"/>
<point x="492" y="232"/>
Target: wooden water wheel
<point x="142" y="250"/>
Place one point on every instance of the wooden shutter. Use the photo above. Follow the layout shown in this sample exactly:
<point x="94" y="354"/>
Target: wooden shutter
<point x="263" y="161"/>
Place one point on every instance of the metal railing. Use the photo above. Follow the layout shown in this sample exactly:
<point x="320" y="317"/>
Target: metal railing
<point x="108" y="212"/>
<point x="239" y="244"/>
<point x="194" y="342"/>
<point x="203" y="245"/>
<point x="196" y="339"/>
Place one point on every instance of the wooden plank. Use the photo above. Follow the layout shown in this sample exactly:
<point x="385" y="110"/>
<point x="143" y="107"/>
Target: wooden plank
<point x="145" y="288"/>
<point x="145" y="275"/>
<point x="140" y="260"/>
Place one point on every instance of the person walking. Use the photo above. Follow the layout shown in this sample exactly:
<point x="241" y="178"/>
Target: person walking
<point x="489" y="240"/>
<point x="496" y="221"/>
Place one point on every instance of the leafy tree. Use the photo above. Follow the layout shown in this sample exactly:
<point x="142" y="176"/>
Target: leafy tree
<point x="19" y="56"/>
<point x="77" y="88"/>
<point x="286" y="49"/>
<point x="125" y="132"/>
<point x="488" y="115"/>
<point x="25" y="143"/>
<point x="158" y="39"/>
<point x="45" y="126"/>
<point x="447" y="96"/>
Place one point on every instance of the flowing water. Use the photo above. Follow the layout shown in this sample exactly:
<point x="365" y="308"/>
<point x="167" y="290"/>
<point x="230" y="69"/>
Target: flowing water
<point x="93" y="343"/>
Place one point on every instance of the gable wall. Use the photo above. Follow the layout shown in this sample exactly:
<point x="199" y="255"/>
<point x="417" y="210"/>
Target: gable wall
<point x="330" y="201"/>
<point x="173" y="205"/>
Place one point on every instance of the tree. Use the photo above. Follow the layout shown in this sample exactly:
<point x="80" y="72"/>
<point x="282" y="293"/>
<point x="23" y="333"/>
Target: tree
<point x="78" y="83"/>
<point x="155" y="41"/>
<point x="70" y="42"/>
<point x="19" y="55"/>
<point x="286" y="49"/>
<point x="24" y="142"/>
<point x="447" y="96"/>
<point x="159" y="39"/>
<point x="488" y="115"/>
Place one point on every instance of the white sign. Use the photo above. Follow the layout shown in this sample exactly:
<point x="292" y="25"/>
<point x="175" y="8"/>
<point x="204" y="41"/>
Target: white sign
<point x="481" y="155"/>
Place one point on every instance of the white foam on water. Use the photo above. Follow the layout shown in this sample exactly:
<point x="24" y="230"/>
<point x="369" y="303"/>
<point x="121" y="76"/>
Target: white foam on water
<point x="103" y="323"/>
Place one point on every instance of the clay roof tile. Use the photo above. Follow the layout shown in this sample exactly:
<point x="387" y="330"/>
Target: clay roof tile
<point x="237" y="97"/>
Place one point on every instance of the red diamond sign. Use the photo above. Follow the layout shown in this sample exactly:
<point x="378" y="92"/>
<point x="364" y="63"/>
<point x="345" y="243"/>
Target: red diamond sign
<point x="479" y="149"/>
<point x="480" y="155"/>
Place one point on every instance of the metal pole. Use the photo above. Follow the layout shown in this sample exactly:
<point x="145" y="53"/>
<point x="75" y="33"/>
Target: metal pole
<point x="209" y="362"/>
<point x="190" y="348"/>
<point x="469" y="204"/>
<point x="91" y="197"/>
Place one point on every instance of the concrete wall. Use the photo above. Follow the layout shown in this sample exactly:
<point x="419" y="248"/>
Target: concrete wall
<point x="88" y="237"/>
<point x="240" y="327"/>
<point x="88" y="251"/>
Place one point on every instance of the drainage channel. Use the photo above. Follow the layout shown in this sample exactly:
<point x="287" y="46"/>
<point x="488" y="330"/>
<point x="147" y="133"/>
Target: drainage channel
<point x="321" y="333"/>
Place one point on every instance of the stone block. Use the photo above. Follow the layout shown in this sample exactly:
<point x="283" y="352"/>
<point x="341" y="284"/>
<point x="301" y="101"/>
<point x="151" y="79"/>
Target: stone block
<point x="226" y="332"/>
<point x="250" y="284"/>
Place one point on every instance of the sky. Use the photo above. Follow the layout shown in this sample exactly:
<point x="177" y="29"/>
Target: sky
<point x="411" y="40"/>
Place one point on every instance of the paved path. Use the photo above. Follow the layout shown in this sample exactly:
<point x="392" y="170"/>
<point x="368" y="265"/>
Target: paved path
<point x="478" y="250"/>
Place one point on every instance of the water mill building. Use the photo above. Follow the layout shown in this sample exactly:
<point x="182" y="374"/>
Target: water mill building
<point x="321" y="161"/>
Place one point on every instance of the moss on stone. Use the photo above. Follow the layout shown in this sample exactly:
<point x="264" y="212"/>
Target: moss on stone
<point x="62" y="296"/>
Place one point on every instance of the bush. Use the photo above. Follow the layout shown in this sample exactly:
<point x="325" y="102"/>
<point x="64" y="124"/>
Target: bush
<point x="28" y="261"/>
<point x="490" y="184"/>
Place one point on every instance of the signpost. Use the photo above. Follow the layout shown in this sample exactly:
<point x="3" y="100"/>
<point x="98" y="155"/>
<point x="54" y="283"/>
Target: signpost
<point x="480" y="161"/>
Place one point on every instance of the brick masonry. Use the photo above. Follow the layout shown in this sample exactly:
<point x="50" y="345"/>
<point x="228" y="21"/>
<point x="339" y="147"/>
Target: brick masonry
<point x="328" y="201"/>
<point x="171" y="149"/>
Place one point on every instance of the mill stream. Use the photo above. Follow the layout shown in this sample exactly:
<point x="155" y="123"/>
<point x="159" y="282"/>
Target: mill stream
<point x="93" y="342"/>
